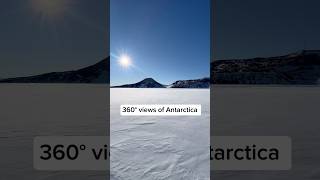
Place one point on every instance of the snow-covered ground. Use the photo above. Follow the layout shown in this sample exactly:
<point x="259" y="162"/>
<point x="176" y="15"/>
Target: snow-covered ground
<point x="29" y="110"/>
<point x="271" y="111"/>
<point x="162" y="147"/>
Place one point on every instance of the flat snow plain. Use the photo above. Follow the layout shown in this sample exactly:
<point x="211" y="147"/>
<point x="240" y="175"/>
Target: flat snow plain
<point x="30" y="110"/>
<point x="163" y="148"/>
<point x="271" y="111"/>
<point x="160" y="147"/>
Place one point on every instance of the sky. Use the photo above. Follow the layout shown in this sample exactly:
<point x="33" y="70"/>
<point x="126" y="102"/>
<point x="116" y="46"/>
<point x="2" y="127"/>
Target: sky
<point x="260" y="28"/>
<point x="166" y="40"/>
<point x="39" y="36"/>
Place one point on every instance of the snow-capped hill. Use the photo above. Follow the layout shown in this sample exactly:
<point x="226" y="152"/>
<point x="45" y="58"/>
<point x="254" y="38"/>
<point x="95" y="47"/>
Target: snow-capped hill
<point x="146" y="83"/>
<point x="97" y="73"/>
<point x="296" y="68"/>
<point x="195" y="83"/>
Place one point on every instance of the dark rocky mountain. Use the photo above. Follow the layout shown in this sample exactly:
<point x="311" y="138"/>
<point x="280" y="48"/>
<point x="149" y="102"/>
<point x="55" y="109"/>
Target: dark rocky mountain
<point x="151" y="83"/>
<point x="196" y="83"/>
<point x="302" y="68"/>
<point x="146" y="83"/>
<point x="97" y="73"/>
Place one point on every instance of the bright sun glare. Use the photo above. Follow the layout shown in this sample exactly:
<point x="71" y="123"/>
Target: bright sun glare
<point x="125" y="61"/>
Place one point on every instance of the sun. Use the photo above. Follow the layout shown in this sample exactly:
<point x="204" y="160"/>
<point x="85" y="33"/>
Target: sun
<point x="125" y="61"/>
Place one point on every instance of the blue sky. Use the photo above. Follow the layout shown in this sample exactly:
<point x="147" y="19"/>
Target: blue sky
<point x="39" y="36"/>
<point x="260" y="28"/>
<point x="167" y="40"/>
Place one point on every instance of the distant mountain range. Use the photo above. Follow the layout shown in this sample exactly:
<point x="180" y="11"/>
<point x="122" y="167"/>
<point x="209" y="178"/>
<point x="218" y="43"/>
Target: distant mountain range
<point x="195" y="83"/>
<point x="301" y="68"/>
<point x="151" y="83"/>
<point x="97" y="73"/>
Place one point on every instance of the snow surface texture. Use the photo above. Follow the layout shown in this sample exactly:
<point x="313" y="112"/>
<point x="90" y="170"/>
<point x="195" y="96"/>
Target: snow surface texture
<point x="160" y="148"/>
<point x="47" y="110"/>
<point x="271" y="111"/>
